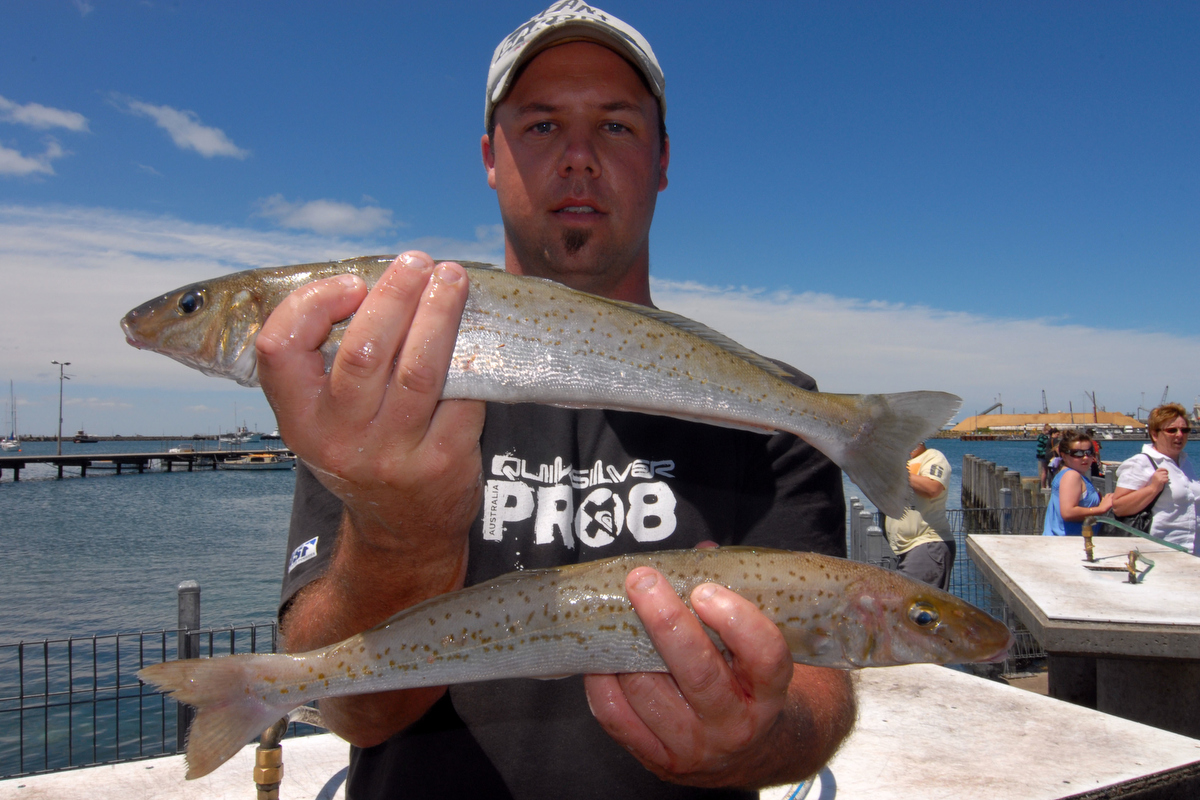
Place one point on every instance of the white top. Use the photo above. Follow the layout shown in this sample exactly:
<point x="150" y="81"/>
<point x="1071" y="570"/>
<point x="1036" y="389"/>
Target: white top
<point x="925" y="520"/>
<point x="1175" y="511"/>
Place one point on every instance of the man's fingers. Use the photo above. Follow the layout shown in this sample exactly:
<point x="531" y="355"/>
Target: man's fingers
<point x="697" y="666"/>
<point x="420" y="371"/>
<point x="609" y="704"/>
<point x="289" y="362"/>
<point x="760" y="665"/>
<point x="760" y="659"/>
<point x="364" y="363"/>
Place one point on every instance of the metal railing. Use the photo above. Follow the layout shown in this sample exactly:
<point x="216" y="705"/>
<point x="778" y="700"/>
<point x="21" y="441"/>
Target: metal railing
<point x="76" y="701"/>
<point x="868" y="544"/>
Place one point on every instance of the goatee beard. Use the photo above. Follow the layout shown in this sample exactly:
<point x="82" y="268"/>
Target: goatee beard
<point x="574" y="240"/>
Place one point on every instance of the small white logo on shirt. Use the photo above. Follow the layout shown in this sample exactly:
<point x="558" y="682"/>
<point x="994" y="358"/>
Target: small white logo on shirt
<point x="303" y="553"/>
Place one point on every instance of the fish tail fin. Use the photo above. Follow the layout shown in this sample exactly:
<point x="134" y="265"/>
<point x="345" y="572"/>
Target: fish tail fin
<point x="229" y="712"/>
<point x="876" y="459"/>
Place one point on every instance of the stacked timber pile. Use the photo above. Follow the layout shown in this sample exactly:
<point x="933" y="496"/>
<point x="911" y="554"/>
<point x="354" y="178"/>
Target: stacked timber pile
<point x="995" y="498"/>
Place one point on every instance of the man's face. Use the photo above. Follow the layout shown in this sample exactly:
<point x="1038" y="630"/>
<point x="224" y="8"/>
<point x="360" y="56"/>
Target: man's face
<point x="577" y="167"/>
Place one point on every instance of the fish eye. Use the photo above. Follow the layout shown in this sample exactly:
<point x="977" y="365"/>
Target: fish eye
<point x="191" y="302"/>
<point x="923" y="615"/>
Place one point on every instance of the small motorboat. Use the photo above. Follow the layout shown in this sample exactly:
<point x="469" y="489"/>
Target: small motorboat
<point x="257" y="461"/>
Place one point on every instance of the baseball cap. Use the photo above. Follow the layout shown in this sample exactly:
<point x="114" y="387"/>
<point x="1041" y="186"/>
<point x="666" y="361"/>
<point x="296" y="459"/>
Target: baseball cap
<point x="569" y="21"/>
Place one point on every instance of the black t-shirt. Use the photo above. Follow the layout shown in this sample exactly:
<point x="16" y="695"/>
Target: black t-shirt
<point x="563" y="486"/>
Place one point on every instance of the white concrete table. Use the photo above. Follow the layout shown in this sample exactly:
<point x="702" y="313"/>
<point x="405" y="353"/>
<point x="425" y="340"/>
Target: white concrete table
<point x="1127" y="649"/>
<point x="923" y="732"/>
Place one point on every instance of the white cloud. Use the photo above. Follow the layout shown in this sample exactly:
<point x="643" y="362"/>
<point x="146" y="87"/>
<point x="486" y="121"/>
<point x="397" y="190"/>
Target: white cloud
<point x="185" y="129"/>
<point x="857" y="346"/>
<point x="12" y="162"/>
<point x="96" y="403"/>
<point x="326" y="217"/>
<point x="77" y="270"/>
<point x="487" y="247"/>
<point x="40" y="117"/>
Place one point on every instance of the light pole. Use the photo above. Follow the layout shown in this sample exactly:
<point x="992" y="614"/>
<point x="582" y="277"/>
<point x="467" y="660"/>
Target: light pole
<point x="61" y="377"/>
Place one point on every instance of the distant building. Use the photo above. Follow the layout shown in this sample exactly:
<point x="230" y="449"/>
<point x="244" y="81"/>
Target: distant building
<point x="1019" y="424"/>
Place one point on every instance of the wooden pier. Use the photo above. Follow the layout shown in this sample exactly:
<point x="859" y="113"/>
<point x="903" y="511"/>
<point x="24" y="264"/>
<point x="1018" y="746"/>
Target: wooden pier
<point x="120" y="462"/>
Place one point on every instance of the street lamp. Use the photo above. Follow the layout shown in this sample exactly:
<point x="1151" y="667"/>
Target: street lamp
<point x="61" y="377"/>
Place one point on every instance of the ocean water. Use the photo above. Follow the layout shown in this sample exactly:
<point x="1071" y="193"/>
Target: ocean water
<point x="104" y="554"/>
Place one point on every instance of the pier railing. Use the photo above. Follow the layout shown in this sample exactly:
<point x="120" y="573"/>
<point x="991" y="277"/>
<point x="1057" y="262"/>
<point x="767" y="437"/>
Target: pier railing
<point x="76" y="701"/>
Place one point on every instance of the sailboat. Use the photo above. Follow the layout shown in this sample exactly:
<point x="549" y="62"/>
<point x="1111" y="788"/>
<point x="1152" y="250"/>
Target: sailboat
<point x="13" y="442"/>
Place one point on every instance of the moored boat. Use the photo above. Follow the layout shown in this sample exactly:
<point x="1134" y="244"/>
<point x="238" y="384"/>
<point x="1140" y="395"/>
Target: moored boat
<point x="259" y="461"/>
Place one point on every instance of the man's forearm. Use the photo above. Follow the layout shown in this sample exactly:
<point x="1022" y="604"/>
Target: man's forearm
<point x="364" y="586"/>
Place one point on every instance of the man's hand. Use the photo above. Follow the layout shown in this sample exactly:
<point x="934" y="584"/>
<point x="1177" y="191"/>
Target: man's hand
<point x="373" y="429"/>
<point x="375" y="432"/>
<point x="750" y="721"/>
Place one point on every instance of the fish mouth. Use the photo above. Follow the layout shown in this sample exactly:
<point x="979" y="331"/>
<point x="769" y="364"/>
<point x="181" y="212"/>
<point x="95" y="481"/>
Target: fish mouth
<point x="127" y="329"/>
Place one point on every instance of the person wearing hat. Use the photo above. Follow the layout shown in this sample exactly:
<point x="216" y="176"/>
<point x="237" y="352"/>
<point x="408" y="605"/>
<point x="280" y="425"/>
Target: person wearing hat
<point x="402" y="496"/>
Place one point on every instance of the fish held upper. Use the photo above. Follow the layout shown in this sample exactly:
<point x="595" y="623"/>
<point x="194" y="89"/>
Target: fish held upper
<point x="525" y="339"/>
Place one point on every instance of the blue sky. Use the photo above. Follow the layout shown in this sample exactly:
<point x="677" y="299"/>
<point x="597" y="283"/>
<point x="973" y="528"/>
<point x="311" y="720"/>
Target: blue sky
<point x="990" y="199"/>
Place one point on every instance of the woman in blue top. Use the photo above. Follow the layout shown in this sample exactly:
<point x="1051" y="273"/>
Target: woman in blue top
<point x="1072" y="496"/>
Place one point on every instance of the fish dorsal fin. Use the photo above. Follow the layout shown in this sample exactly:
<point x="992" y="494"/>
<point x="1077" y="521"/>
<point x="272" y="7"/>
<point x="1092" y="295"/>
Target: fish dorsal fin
<point x="715" y="338"/>
<point x="373" y="259"/>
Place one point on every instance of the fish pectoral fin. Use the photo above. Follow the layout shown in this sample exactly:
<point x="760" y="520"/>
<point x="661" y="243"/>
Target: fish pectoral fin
<point x="807" y="644"/>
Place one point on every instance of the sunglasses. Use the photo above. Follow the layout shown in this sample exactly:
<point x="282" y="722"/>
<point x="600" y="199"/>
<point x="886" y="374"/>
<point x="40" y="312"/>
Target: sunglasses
<point x="1080" y="453"/>
<point x="1173" y="431"/>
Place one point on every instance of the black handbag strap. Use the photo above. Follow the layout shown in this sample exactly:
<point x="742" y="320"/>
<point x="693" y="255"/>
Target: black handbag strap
<point x="1154" y="468"/>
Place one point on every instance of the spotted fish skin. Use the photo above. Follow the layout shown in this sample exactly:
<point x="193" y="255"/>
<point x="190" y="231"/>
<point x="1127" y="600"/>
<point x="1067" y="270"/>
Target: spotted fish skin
<point x="525" y="339"/>
<point x="578" y="619"/>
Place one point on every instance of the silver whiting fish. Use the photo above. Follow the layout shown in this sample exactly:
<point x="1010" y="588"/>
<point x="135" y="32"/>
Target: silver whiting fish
<point x="532" y="340"/>
<point x="577" y="619"/>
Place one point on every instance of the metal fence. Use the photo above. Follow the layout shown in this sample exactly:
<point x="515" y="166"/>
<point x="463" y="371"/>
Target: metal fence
<point x="867" y="543"/>
<point x="77" y="701"/>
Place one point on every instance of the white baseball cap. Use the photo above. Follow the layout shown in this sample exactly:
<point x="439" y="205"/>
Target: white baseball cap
<point x="569" y="21"/>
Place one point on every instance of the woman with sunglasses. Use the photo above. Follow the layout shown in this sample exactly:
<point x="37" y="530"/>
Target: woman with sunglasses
<point x="1162" y="475"/>
<point x="1073" y="498"/>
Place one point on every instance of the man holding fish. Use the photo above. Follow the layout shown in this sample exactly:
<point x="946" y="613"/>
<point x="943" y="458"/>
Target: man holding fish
<point x="402" y="500"/>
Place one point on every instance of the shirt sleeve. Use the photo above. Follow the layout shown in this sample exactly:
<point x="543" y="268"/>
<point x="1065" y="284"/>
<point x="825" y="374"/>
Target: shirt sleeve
<point x="312" y="533"/>
<point x="1134" y="472"/>
<point x="937" y="469"/>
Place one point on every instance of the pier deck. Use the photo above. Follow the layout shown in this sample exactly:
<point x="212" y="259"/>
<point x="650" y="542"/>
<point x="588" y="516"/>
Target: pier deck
<point x="136" y="462"/>
<point x="923" y="732"/>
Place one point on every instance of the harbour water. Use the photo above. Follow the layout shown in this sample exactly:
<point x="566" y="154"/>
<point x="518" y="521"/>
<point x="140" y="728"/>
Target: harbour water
<point x="104" y="554"/>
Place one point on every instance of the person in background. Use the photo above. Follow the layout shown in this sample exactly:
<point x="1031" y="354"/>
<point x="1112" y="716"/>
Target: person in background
<point x="1163" y="476"/>
<point x="1073" y="498"/>
<point x="1097" y="471"/>
<point x="1043" y="455"/>
<point x="922" y="538"/>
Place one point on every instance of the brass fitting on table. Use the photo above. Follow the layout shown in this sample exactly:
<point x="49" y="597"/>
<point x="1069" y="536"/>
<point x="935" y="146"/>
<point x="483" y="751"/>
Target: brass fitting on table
<point x="268" y="761"/>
